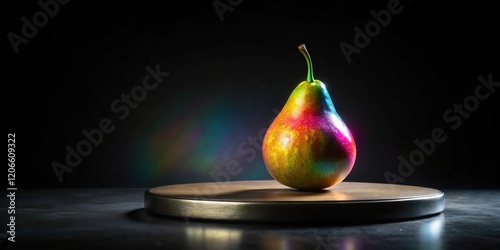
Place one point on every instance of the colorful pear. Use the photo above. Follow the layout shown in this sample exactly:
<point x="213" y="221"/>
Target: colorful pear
<point x="308" y="146"/>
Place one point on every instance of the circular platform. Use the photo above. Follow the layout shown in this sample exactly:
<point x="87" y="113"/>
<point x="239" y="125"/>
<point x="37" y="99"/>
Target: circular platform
<point x="269" y="201"/>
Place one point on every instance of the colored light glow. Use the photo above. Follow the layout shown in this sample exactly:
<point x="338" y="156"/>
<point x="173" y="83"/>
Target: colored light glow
<point x="189" y="140"/>
<point x="186" y="141"/>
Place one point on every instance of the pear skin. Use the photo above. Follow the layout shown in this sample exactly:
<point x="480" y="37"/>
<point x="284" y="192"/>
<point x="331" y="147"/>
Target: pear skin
<point x="308" y="146"/>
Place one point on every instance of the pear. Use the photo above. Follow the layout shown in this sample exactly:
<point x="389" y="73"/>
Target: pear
<point x="308" y="146"/>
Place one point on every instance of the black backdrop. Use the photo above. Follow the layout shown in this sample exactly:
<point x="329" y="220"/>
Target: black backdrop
<point x="227" y="71"/>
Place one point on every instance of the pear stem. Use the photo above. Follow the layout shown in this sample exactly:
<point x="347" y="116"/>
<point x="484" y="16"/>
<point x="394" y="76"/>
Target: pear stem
<point x="303" y="50"/>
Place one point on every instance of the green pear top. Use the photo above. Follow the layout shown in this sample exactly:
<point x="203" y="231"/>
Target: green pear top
<point x="311" y="95"/>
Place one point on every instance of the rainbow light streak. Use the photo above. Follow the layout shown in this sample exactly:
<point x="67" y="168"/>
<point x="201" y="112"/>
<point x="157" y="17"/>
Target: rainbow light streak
<point x="188" y="142"/>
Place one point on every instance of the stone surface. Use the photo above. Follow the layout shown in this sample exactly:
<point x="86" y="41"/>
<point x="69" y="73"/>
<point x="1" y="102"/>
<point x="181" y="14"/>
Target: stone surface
<point x="116" y="219"/>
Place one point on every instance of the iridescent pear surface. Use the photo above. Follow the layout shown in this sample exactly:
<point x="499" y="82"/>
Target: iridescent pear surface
<point x="308" y="146"/>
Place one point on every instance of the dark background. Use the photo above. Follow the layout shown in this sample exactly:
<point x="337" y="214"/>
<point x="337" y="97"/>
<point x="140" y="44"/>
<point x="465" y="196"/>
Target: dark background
<point x="226" y="76"/>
